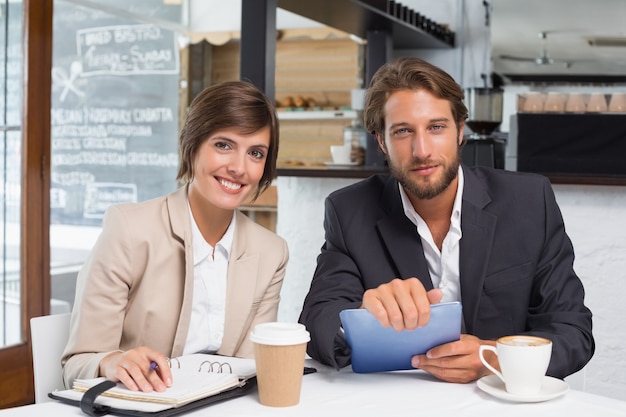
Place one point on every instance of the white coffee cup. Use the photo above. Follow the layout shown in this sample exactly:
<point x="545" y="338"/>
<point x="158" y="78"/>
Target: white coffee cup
<point x="523" y="362"/>
<point x="341" y="154"/>
<point x="279" y="351"/>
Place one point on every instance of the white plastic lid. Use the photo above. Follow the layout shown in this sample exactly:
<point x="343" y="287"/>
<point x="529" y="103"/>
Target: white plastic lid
<point x="280" y="334"/>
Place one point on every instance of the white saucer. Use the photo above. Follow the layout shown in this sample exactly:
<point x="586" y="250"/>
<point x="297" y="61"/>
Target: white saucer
<point x="550" y="388"/>
<point x="341" y="164"/>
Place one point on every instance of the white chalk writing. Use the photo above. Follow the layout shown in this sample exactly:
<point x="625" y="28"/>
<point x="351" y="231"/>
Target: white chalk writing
<point x="127" y="49"/>
<point x="72" y="177"/>
<point x="115" y="159"/>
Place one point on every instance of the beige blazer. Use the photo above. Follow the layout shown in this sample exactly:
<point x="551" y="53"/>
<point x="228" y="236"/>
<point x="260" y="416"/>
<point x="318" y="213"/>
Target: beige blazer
<point x="136" y="287"/>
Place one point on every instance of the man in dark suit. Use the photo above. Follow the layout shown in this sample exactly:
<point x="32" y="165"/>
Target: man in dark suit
<point x="436" y="230"/>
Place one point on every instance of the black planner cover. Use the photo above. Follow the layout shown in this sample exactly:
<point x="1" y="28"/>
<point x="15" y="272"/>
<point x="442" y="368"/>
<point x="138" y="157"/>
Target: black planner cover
<point x="200" y="380"/>
<point x="100" y="410"/>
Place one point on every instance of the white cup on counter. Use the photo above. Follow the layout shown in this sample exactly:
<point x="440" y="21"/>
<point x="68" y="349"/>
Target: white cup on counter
<point x="341" y="153"/>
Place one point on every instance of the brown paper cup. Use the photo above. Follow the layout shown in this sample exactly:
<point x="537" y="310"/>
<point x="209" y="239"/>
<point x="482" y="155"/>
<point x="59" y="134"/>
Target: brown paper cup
<point x="279" y="373"/>
<point x="279" y="350"/>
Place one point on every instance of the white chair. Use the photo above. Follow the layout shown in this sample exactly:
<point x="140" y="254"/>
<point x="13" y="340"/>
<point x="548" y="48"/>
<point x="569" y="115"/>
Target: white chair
<point x="48" y="337"/>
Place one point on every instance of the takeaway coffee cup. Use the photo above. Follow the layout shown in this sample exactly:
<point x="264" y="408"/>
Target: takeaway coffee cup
<point x="279" y="350"/>
<point x="523" y="360"/>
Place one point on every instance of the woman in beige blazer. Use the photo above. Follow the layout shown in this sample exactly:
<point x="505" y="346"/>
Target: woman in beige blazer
<point x="135" y="293"/>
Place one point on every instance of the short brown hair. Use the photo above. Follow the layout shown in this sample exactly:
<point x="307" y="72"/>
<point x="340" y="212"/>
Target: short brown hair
<point x="237" y="105"/>
<point x="410" y="74"/>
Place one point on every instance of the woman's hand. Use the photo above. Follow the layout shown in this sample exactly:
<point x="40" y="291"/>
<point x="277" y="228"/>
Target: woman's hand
<point x="139" y="369"/>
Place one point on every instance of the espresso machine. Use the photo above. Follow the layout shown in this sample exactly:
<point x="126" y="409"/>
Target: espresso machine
<point x="483" y="146"/>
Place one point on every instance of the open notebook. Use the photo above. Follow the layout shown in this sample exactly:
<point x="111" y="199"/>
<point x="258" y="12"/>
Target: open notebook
<point x="376" y="348"/>
<point x="196" y="377"/>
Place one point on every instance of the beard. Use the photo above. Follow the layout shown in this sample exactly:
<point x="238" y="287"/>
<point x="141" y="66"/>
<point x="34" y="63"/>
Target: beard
<point x="427" y="189"/>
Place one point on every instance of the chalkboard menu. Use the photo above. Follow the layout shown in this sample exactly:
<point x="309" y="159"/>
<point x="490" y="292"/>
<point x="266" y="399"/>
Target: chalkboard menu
<point x="114" y="116"/>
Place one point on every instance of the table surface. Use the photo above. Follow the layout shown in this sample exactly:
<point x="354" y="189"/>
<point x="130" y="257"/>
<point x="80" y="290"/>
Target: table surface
<point x="329" y="392"/>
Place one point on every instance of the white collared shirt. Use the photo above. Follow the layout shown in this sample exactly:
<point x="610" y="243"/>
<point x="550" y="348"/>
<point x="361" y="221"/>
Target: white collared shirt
<point x="210" y="269"/>
<point x="443" y="265"/>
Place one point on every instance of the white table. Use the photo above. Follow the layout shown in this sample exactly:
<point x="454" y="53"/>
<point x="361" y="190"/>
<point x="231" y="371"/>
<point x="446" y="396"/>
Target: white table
<point x="331" y="393"/>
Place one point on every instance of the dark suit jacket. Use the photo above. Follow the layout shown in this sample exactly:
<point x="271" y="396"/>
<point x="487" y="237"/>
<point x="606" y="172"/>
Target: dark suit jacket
<point x="516" y="263"/>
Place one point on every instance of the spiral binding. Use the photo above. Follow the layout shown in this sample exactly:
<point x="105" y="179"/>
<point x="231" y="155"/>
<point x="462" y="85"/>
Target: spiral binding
<point x="208" y="366"/>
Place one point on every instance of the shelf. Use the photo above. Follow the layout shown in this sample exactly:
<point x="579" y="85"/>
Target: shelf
<point x="325" y="172"/>
<point x="358" y="17"/>
<point x="317" y="115"/>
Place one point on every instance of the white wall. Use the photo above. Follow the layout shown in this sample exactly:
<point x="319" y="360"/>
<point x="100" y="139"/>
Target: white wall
<point x="595" y="219"/>
<point x="300" y="221"/>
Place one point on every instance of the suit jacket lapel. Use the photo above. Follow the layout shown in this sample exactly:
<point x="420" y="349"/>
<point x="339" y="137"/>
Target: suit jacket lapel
<point x="178" y="212"/>
<point x="400" y="237"/>
<point x="478" y="227"/>
<point x="242" y="268"/>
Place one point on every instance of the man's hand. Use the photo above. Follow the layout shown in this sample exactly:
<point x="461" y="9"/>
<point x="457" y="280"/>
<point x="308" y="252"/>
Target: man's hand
<point x="456" y="361"/>
<point x="139" y="369"/>
<point x="402" y="304"/>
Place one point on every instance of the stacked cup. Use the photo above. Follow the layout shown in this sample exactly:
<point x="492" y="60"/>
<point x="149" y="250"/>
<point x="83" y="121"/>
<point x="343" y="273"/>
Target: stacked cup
<point x="575" y="103"/>
<point x="555" y="102"/>
<point x="533" y="102"/>
<point x="597" y="103"/>
<point x="617" y="103"/>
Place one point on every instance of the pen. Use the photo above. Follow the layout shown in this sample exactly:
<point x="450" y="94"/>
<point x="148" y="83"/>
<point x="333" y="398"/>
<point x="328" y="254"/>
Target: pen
<point x="153" y="365"/>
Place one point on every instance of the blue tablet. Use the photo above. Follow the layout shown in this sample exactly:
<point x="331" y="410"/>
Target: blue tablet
<point x="377" y="349"/>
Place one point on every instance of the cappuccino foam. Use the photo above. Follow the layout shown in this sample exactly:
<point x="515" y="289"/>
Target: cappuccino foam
<point x="523" y="341"/>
